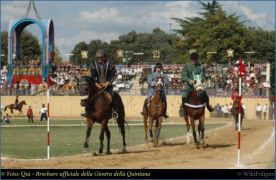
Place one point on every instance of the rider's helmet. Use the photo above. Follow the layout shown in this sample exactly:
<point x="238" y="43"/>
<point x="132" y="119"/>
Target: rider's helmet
<point x="194" y="56"/>
<point x="100" y="53"/>
<point x="158" y="65"/>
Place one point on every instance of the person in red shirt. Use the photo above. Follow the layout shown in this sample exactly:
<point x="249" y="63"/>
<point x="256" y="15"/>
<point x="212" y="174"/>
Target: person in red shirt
<point x="30" y="115"/>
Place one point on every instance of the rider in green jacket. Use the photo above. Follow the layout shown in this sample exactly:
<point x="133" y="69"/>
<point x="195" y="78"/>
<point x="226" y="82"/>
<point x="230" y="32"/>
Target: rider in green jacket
<point x="188" y="73"/>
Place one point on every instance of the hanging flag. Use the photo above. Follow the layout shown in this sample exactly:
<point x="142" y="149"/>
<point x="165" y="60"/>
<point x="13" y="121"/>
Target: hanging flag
<point x="242" y="69"/>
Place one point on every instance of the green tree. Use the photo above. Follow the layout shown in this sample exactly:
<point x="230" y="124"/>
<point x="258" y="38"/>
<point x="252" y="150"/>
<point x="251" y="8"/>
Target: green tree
<point x="77" y="57"/>
<point x="29" y="47"/>
<point x="213" y="31"/>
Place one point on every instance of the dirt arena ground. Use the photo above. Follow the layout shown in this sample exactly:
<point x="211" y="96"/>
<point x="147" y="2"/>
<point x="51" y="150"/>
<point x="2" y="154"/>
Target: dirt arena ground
<point x="257" y="151"/>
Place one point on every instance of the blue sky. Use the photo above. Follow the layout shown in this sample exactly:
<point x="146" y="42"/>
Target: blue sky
<point x="76" y="21"/>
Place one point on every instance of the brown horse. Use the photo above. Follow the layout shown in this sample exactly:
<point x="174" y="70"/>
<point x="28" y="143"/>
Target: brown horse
<point x="196" y="111"/>
<point x="100" y="110"/>
<point x="235" y="113"/>
<point x="18" y="108"/>
<point x="155" y="111"/>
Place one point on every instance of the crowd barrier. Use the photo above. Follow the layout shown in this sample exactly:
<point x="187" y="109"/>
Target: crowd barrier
<point x="69" y="106"/>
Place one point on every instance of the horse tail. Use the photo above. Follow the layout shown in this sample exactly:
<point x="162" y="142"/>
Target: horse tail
<point x="121" y="111"/>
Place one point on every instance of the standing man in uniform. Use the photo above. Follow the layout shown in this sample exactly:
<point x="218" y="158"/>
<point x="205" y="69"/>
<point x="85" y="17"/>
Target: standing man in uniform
<point x="189" y="70"/>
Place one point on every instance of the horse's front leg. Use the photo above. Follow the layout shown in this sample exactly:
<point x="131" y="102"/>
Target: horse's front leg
<point x="194" y="131"/>
<point x="150" y="127"/>
<point x="146" y="128"/>
<point x="103" y="128"/>
<point x="188" y="126"/>
<point x="158" y="129"/>
<point x="108" y="135"/>
<point x="201" y="130"/>
<point x="90" y="124"/>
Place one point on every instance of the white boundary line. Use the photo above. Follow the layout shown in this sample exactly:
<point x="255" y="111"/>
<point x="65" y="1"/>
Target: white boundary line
<point x="76" y="125"/>
<point x="256" y="152"/>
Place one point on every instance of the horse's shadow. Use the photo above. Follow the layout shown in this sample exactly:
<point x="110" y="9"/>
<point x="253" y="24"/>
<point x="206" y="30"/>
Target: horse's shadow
<point x="165" y="143"/>
<point x="137" y="151"/>
<point x="215" y="146"/>
<point x="127" y="152"/>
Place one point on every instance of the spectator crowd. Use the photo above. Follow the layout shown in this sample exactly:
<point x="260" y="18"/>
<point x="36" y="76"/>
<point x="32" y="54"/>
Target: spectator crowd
<point x="221" y="79"/>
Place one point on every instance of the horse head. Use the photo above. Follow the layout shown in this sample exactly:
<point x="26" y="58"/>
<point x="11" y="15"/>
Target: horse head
<point x="159" y="85"/>
<point x="24" y="102"/>
<point x="198" y="85"/>
<point x="84" y="88"/>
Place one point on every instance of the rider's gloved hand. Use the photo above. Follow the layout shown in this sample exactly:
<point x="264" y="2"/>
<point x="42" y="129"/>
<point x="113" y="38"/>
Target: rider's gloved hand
<point x="99" y="86"/>
<point x="153" y="83"/>
<point x="106" y="84"/>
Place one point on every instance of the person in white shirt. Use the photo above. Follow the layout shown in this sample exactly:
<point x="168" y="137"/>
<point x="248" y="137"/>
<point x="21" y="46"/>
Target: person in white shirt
<point x="43" y="112"/>
<point x="225" y="110"/>
<point x="264" y="109"/>
<point x="259" y="111"/>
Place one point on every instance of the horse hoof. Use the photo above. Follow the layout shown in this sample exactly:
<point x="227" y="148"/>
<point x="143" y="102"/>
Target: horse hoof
<point x="85" y="146"/>
<point x="100" y="151"/>
<point x="108" y="152"/>
<point x="85" y="150"/>
<point x="124" y="149"/>
<point x="95" y="154"/>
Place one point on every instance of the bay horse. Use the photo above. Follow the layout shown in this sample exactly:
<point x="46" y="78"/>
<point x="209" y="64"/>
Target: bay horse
<point x="195" y="107"/>
<point x="100" y="111"/>
<point x="18" y="108"/>
<point x="155" y="111"/>
<point x="235" y="113"/>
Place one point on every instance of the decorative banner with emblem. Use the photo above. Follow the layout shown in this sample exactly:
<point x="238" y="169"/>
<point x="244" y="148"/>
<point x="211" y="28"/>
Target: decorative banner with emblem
<point x="120" y="53"/>
<point x="84" y="54"/>
<point x="156" y="54"/>
<point x="230" y="52"/>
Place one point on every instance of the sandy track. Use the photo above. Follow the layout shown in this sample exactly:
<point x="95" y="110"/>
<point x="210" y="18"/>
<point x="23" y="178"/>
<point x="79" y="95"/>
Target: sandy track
<point x="257" y="151"/>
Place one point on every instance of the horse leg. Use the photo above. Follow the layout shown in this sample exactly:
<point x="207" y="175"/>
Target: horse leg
<point x="188" y="126"/>
<point x="108" y="134"/>
<point x="103" y="127"/>
<point x="150" y="127"/>
<point x="202" y="137"/>
<point x="121" y="124"/>
<point x="199" y="131"/>
<point x="194" y="131"/>
<point x="146" y="128"/>
<point x="236" y="121"/>
<point x="158" y="131"/>
<point x="89" y="123"/>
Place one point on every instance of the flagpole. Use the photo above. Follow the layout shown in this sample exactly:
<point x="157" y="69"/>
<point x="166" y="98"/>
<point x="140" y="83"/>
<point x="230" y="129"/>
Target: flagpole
<point x="48" y="122"/>
<point x="239" y="124"/>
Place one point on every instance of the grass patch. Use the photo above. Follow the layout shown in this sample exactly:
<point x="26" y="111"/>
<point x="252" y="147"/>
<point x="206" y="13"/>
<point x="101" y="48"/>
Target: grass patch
<point x="30" y="141"/>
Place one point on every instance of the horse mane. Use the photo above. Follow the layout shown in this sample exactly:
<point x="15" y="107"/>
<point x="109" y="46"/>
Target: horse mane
<point x="91" y="81"/>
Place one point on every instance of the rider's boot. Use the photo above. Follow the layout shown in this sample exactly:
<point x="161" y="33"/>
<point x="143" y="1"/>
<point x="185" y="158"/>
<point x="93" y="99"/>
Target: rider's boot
<point x="84" y="114"/>
<point x="144" y="107"/>
<point x="165" y="115"/>
<point x="206" y="99"/>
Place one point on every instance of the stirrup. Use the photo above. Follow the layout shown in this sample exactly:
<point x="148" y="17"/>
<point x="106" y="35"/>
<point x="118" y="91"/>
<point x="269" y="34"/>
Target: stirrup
<point x="84" y="114"/>
<point x="115" y="115"/>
